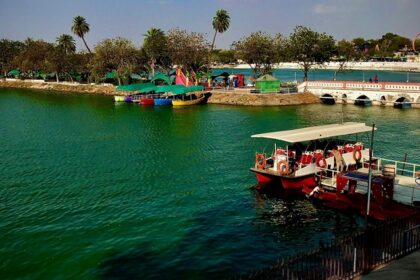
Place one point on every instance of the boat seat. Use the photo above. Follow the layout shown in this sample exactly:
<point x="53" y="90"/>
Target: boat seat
<point x="348" y="148"/>
<point x="305" y="159"/>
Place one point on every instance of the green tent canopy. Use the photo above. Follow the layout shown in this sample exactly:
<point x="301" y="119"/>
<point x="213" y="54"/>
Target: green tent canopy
<point x="111" y="75"/>
<point x="184" y="90"/>
<point x="135" y="87"/>
<point x="267" y="83"/>
<point x="174" y="89"/>
<point x="163" y="77"/>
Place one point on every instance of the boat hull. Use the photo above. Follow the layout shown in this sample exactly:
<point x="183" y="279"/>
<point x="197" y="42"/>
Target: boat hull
<point x="285" y="183"/>
<point x="200" y="100"/>
<point x="163" y="102"/>
<point x="357" y="202"/>
<point x="119" y="98"/>
<point x="146" y="101"/>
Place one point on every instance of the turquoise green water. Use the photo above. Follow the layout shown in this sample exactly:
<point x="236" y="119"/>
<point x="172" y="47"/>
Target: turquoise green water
<point x="94" y="190"/>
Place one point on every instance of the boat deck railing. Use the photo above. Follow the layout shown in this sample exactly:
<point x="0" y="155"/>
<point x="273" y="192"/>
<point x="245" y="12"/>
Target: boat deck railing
<point x="407" y="169"/>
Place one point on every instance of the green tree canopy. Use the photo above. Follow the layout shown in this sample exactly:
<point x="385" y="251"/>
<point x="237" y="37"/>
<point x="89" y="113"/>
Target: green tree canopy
<point x="34" y="56"/>
<point x="66" y="43"/>
<point x="309" y="48"/>
<point x="156" y="49"/>
<point x="117" y="55"/>
<point x="223" y="56"/>
<point x="9" y="50"/>
<point x="258" y="50"/>
<point x="188" y="49"/>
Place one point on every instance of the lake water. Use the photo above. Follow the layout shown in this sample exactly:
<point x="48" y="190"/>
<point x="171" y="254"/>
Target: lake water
<point x="96" y="190"/>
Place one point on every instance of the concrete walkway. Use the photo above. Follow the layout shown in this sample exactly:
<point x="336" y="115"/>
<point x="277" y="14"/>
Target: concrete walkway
<point x="407" y="267"/>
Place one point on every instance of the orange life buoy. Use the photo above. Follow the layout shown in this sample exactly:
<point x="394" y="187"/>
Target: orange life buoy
<point x="321" y="162"/>
<point x="357" y="155"/>
<point x="260" y="161"/>
<point x="285" y="169"/>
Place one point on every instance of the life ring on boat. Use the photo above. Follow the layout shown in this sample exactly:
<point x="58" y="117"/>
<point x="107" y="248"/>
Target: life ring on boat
<point x="260" y="161"/>
<point x="282" y="167"/>
<point x="417" y="180"/>
<point x="357" y="155"/>
<point x="321" y="162"/>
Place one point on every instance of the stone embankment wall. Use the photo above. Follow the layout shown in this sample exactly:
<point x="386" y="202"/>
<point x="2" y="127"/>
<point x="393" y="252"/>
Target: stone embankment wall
<point x="237" y="97"/>
<point x="258" y="99"/>
<point x="104" y="89"/>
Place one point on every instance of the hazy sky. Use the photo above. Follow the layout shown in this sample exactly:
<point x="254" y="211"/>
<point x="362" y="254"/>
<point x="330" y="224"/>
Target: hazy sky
<point x="47" y="19"/>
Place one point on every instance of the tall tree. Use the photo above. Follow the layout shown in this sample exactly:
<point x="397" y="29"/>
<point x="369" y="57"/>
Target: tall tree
<point x="34" y="57"/>
<point x="66" y="43"/>
<point x="80" y="28"/>
<point x="221" y="22"/>
<point x="117" y="55"/>
<point x="156" y="48"/>
<point x="188" y="49"/>
<point x="9" y="50"/>
<point x="309" y="48"/>
<point x="346" y="51"/>
<point x="258" y="50"/>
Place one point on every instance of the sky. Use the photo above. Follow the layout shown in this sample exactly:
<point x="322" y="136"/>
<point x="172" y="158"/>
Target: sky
<point x="343" y="19"/>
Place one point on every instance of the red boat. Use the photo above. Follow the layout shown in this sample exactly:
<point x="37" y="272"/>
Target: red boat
<point x="146" y="100"/>
<point x="395" y="191"/>
<point x="293" y="167"/>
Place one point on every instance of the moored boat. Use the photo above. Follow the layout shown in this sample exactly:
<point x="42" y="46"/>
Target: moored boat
<point x="163" y="102"/>
<point x="119" y="98"/>
<point x="395" y="189"/>
<point x="191" y="99"/>
<point x="147" y="100"/>
<point x="293" y="167"/>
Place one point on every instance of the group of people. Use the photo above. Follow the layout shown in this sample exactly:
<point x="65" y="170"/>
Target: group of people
<point x="375" y="79"/>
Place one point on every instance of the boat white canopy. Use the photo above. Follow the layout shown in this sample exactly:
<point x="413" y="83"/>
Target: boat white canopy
<point x="316" y="132"/>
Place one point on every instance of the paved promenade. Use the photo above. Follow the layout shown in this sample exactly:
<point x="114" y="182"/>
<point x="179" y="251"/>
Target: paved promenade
<point x="406" y="268"/>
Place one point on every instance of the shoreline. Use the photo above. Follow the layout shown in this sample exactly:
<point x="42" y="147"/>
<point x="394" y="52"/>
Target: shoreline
<point x="237" y="97"/>
<point x="62" y="87"/>
<point x="365" y="66"/>
<point x="245" y="98"/>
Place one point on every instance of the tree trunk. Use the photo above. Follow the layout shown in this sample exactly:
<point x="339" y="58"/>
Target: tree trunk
<point x="71" y="78"/>
<point x="86" y="44"/>
<point x="119" y="79"/>
<point x="211" y="50"/>
<point x="214" y="39"/>
<point x="56" y="76"/>
<point x="305" y="73"/>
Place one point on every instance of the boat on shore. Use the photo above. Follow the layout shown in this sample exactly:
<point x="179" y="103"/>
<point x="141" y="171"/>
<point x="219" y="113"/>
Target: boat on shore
<point x="292" y="168"/>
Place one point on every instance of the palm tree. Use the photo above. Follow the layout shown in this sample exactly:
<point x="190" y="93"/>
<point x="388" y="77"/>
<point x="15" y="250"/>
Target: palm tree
<point x="80" y="28"/>
<point x="153" y="33"/>
<point x="152" y="38"/>
<point x="221" y="23"/>
<point x="66" y="43"/>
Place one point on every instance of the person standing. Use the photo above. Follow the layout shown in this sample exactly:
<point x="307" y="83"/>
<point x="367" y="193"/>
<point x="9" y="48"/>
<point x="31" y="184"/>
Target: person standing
<point x="376" y="79"/>
<point x="339" y="161"/>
